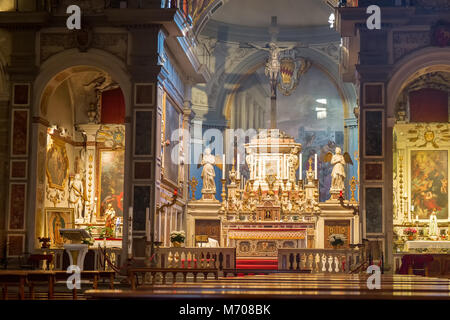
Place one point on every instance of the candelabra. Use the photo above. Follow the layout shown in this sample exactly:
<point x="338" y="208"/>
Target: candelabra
<point x="152" y="226"/>
<point x="348" y="206"/>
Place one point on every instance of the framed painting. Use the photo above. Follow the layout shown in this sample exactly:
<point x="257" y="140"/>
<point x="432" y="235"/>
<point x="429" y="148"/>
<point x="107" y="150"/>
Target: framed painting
<point x="110" y="180"/>
<point x="429" y="183"/>
<point x="57" y="165"/>
<point x="171" y="148"/>
<point x="21" y="94"/>
<point x="56" y="219"/>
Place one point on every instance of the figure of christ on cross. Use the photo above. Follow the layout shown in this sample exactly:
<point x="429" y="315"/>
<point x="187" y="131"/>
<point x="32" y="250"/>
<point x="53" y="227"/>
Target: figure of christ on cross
<point x="272" y="69"/>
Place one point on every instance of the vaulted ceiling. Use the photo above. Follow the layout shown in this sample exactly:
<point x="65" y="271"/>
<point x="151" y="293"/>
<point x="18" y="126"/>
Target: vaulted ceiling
<point x="257" y="13"/>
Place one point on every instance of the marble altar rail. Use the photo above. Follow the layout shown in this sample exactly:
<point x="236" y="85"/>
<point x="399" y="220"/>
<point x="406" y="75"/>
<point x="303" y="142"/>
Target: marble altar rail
<point x="320" y="260"/>
<point x="196" y="258"/>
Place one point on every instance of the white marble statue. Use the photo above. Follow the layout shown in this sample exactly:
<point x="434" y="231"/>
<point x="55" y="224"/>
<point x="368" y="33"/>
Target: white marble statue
<point x="433" y="227"/>
<point x="293" y="162"/>
<point x="76" y="197"/>
<point x="338" y="161"/>
<point x="208" y="174"/>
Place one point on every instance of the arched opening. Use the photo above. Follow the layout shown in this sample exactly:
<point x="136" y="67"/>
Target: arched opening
<point x="80" y="165"/>
<point x="421" y="149"/>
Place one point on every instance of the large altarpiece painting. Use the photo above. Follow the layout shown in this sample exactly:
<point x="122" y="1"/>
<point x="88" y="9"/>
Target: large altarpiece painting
<point x="429" y="182"/>
<point x="110" y="180"/>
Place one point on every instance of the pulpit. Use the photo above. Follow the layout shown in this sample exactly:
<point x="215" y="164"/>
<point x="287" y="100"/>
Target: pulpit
<point x="76" y="250"/>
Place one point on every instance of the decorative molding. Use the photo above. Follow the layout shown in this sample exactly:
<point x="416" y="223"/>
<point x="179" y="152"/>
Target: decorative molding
<point x="405" y="42"/>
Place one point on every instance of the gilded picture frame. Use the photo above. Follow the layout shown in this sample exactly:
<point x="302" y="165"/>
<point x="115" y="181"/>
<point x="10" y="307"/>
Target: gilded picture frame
<point x="56" y="219"/>
<point x="110" y="180"/>
<point x="428" y="181"/>
<point x="57" y="165"/>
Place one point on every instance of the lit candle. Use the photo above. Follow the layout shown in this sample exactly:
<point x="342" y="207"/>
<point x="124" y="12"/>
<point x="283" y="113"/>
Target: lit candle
<point x="412" y="208"/>
<point x="315" y="166"/>
<point x="300" y="165"/>
<point x="417" y="217"/>
<point x="223" y="166"/>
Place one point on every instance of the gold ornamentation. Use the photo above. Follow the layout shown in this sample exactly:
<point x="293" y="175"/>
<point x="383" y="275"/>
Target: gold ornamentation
<point x="57" y="164"/>
<point x="193" y="186"/>
<point x="353" y="188"/>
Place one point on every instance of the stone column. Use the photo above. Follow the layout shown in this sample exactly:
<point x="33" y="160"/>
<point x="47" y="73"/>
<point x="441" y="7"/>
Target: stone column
<point x="251" y="113"/>
<point x="242" y="111"/>
<point x="142" y="187"/>
<point x="91" y="131"/>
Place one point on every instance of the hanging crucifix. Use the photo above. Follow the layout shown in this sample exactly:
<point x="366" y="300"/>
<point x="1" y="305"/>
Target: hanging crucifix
<point x="272" y="69"/>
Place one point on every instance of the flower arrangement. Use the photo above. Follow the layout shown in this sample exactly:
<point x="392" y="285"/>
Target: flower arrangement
<point x="337" y="240"/>
<point x="177" y="236"/>
<point x="410" y="232"/>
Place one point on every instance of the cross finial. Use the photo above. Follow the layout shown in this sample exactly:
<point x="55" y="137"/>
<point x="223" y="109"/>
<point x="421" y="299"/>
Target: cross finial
<point x="310" y="164"/>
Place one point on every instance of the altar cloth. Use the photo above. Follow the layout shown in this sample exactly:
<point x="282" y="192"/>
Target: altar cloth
<point x="427" y="244"/>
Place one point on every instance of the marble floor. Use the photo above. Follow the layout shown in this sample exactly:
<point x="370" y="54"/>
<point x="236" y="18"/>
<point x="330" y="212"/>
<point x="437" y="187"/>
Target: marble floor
<point x="291" y="285"/>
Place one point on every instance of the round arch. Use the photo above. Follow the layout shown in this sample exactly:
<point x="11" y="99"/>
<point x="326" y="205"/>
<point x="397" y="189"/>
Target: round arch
<point x="70" y="59"/>
<point x="412" y="66"/>
<point x="58" y="68"/>
<point x="346" y="91"/>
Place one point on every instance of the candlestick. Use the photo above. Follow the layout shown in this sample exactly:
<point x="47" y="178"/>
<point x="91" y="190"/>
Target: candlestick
<point x="223" y="166"/>
<point x="130" y="232"/>
<point x="315" y="166"/>
<point x="237" y="172"/>
<point x="300" y="167"/>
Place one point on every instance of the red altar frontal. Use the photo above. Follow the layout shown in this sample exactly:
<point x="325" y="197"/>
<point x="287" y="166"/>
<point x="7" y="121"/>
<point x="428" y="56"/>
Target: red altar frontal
<point x="264" y="239"/>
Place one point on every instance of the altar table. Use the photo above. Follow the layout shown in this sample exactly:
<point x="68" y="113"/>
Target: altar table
<point x="426" y="244"/>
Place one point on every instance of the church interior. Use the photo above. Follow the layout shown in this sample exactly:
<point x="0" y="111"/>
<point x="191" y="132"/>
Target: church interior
<point x="170" y="146"/>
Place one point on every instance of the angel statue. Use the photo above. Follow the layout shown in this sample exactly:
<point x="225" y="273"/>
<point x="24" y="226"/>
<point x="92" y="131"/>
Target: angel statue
<point x="338" y="161"/>
<point x="208" y="161"/>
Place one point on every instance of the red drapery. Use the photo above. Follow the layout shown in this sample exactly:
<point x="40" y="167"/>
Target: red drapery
<point x="113" y="106"/>
<point x="428" y="105"/>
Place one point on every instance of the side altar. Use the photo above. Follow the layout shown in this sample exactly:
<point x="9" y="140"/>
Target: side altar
<point x="275" y="208"/>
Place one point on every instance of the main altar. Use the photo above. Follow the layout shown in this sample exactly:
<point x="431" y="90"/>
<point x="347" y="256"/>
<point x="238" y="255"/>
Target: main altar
<point x="275" y="207"/>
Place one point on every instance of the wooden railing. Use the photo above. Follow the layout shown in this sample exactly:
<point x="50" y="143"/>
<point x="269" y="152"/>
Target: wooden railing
<point x="320" y="260"/>
<point x="196" y="258"/>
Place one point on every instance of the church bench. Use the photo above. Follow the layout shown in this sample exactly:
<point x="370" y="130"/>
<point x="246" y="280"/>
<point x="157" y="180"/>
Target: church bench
<point x="13" y="277"/>
<point x="134" y="272"/>
<point x="28" y="277"/>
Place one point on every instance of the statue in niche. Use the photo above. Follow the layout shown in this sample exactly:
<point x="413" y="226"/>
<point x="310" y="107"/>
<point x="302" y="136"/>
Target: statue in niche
<point x="293" y="162"/>
<point x="208" y="161"/>
<point x="110" y="220"/>
<point x="76" y="196"/>
<point x="433" y="225"/>
<point x="338" y="161"/>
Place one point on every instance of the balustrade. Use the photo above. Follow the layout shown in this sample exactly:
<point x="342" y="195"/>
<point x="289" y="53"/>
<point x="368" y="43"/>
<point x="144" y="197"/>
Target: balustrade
<point x="195" y="258"/>
<point x="319" y="260"/>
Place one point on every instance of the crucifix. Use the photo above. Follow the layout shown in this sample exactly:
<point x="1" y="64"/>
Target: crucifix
<point x="272" y="69"/>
